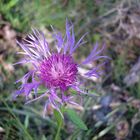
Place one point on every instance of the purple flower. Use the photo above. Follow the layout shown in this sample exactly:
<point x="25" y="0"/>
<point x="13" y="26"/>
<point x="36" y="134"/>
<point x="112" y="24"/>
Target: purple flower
<point x="57" y="71"/>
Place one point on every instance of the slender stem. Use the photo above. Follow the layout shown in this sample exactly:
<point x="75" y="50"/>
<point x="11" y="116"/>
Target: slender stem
<point x="57" y="136"/>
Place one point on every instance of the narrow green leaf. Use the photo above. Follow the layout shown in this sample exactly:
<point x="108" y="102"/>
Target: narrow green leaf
<point x="11" y="4"/>
<point x="26" y="122"/>
<point x="27" y="134"/>
<point x="43" y="138"/>
<point x="105" y="131"/>
<point x="73" y="116"/>
<point x="58" y="117"/>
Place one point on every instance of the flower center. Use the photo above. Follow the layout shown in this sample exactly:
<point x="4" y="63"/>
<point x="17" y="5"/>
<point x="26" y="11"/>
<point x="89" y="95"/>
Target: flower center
<point x="58" y="71"/>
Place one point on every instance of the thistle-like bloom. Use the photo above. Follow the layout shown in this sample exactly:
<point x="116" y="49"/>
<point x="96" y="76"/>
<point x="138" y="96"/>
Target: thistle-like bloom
<point x="56" y="70"/>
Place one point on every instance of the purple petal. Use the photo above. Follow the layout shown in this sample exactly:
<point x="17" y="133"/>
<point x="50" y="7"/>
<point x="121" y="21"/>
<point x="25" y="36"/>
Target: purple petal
<point x="79" y="43"/>
<point x="93" y="55"/>
<point x="70" y="37"/>
<point x="59" y="38"/>
<point x="41" y="96"/>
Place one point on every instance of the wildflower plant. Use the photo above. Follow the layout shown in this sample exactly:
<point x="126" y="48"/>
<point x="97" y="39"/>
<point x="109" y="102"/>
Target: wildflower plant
<point x="57" y="71"/>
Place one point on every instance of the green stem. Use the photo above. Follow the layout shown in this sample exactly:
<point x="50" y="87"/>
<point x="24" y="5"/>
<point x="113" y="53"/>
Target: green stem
<point x="57" y="136"/>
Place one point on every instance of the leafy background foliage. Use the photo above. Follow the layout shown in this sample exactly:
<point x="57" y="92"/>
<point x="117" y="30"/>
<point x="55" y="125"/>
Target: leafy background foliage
<point x="115" y="113"/>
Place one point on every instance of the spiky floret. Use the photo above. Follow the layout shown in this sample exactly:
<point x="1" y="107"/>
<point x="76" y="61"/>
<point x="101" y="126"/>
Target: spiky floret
<point x="57" y="71"/>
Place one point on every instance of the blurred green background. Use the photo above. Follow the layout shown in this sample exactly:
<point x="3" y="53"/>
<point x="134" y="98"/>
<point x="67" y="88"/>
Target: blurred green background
<point x="115" y="115"/>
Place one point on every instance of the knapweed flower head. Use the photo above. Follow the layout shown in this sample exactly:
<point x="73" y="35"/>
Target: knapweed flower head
<point x="55" y="70"/>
